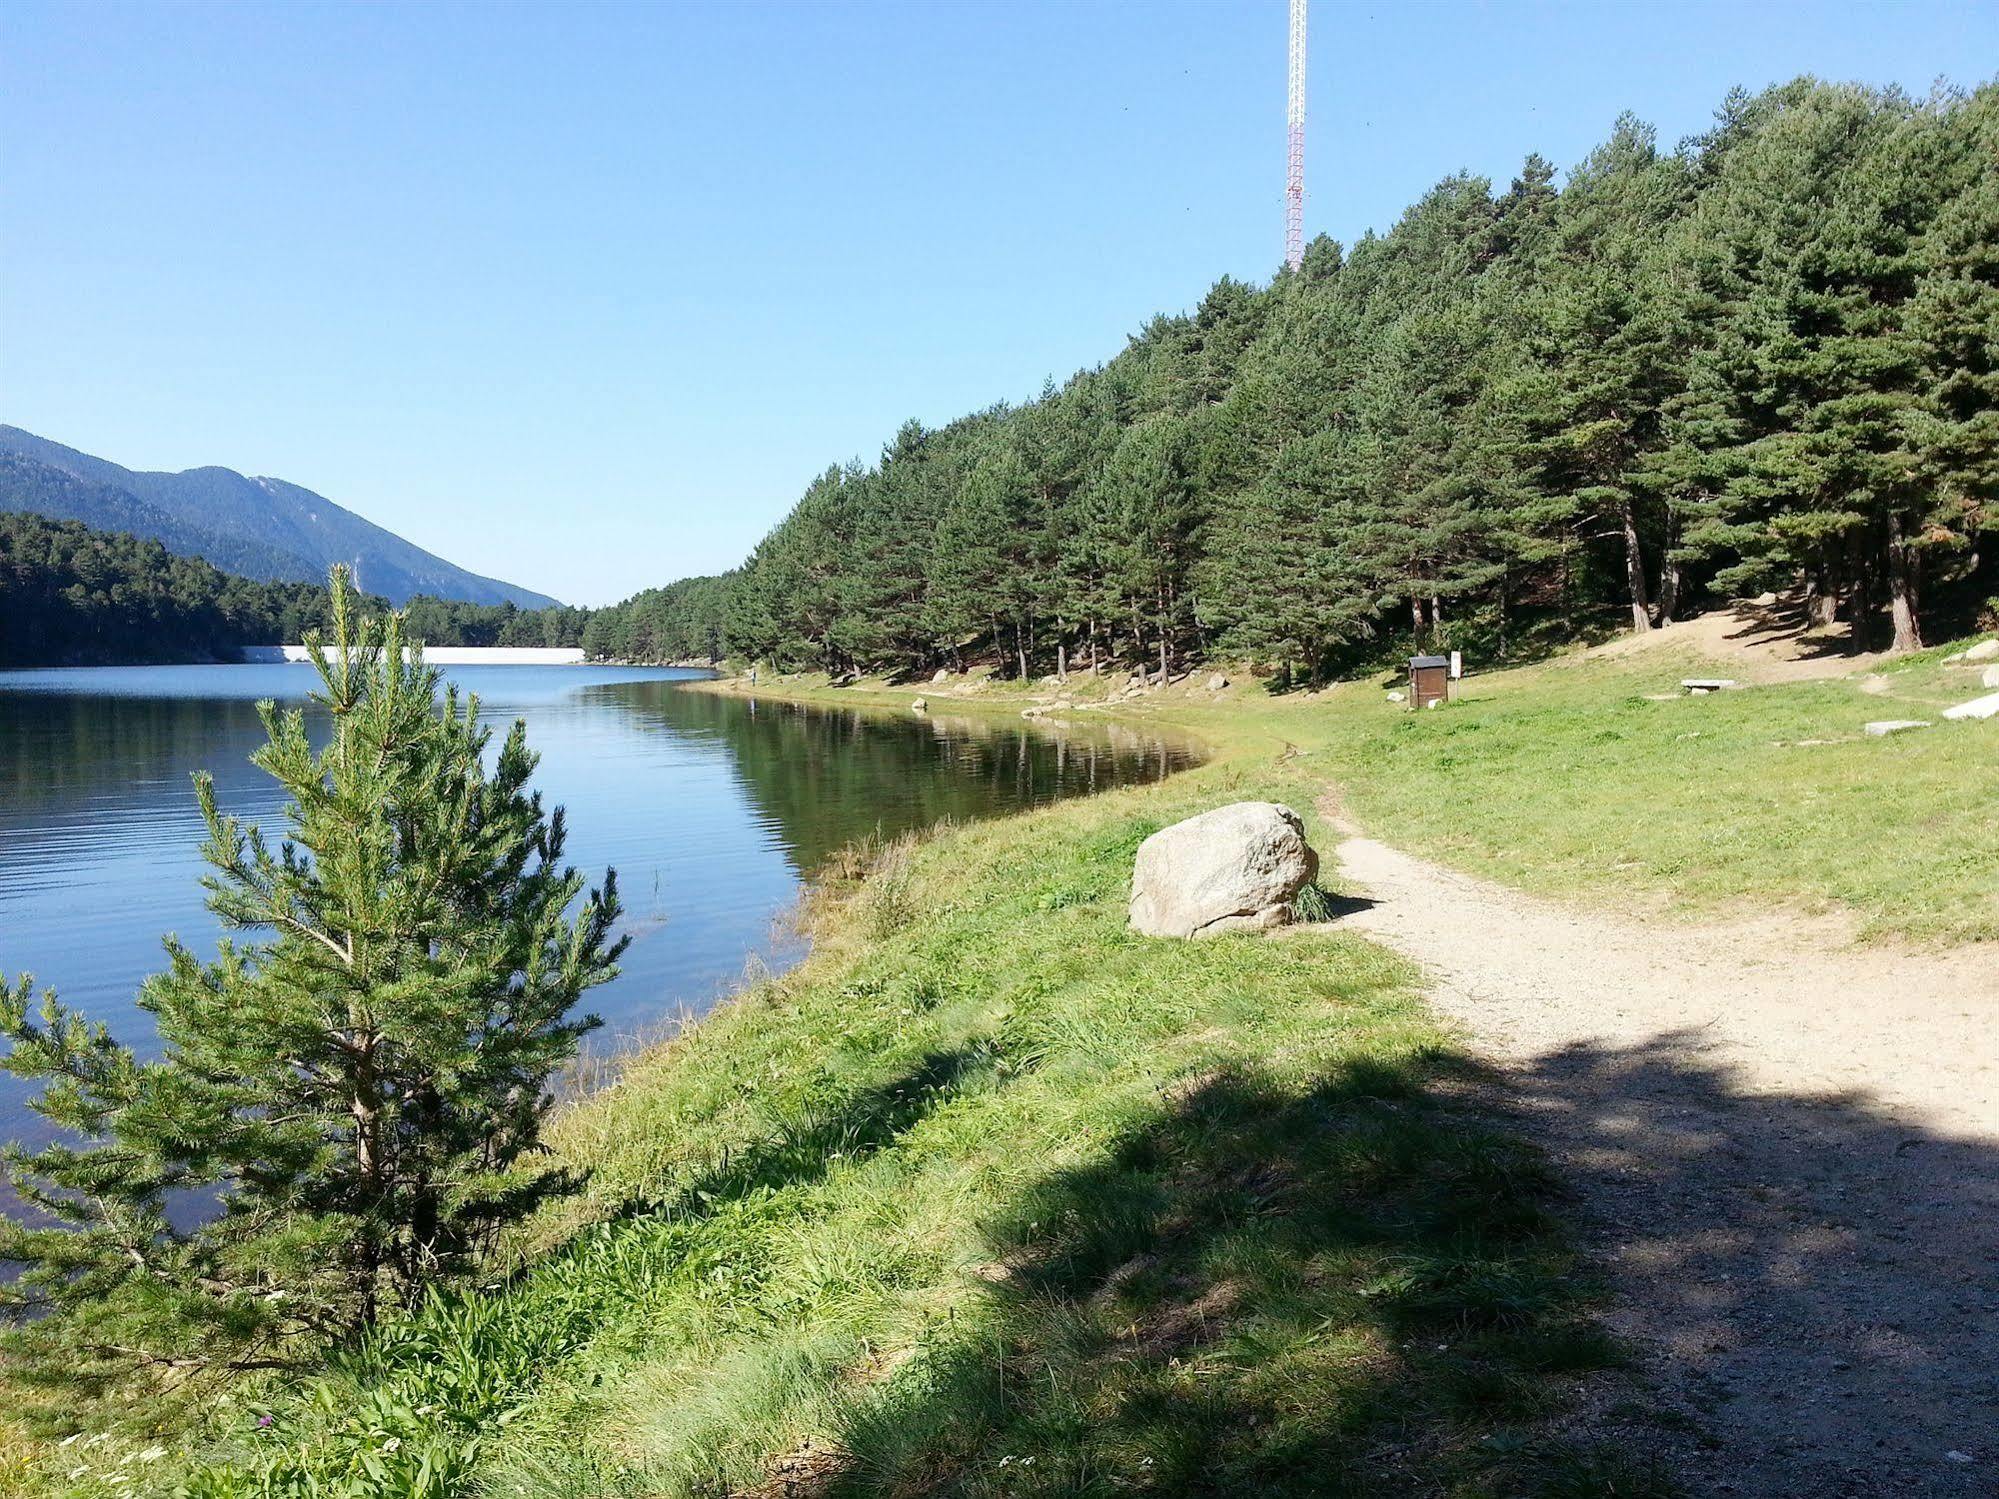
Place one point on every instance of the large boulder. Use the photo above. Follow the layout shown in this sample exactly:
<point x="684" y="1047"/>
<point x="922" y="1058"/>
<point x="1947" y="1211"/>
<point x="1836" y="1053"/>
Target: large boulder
<point x="1233" y="869"/>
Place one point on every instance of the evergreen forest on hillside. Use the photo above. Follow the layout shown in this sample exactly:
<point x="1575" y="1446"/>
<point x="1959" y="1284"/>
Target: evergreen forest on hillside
<point x="1762" y="359"/>
<point x="71" y="595"/>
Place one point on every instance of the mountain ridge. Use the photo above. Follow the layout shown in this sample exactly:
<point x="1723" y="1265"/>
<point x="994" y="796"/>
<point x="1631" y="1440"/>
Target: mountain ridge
<point x="259" y="526"/>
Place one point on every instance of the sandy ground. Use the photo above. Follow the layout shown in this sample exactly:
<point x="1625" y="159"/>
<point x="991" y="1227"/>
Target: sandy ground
<point x="1766" y="640"/>
<point x="1786" y="1151"/>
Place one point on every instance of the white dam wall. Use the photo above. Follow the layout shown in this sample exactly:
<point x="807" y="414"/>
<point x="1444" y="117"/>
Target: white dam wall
<point x="444" y="655"/>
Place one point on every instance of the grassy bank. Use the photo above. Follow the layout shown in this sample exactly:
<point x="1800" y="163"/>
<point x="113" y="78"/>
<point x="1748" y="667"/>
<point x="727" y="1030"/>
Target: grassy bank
<point x="992" y="1196"/>
<point x="1594" y="777"/>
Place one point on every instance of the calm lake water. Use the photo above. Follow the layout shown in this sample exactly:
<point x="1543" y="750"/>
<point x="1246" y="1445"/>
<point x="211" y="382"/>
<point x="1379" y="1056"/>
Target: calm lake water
<point x="710" y="808"/>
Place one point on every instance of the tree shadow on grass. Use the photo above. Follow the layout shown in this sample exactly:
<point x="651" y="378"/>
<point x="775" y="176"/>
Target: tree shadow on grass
<point x="802" y="1144"/>
<point x="1815" y="1281"/>
<point x="467" y="1359"/>
<point x="1342" y="1288"/>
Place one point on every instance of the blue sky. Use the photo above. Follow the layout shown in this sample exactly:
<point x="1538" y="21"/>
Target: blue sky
<point x="582" y="296"/>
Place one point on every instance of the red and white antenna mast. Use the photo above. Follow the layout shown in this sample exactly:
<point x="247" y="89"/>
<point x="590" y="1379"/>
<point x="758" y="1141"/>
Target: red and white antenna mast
<point x="1294" y="119"/>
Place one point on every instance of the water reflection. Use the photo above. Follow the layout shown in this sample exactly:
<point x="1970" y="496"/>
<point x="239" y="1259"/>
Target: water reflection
<point x="710" y="807"/>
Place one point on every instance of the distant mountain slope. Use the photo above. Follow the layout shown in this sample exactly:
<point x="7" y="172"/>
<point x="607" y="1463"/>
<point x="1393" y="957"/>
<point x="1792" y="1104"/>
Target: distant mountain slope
<point x="261" y="528"/>
<point x="29" y="487"/>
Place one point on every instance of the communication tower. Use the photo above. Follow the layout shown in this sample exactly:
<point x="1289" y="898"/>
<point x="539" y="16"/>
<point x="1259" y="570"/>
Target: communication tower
<point x="1294" y="118"/>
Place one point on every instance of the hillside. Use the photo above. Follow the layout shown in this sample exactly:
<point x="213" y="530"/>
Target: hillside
<point x="1584" y="401"/>
<point x="262" y="528"/>
<point x="75" y="595"/>
<point x="71" y="595"/>
<point x="31" y="487"/>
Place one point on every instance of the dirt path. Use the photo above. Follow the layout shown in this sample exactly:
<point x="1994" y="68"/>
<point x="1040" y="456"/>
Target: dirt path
<point x="1787" y="1152"/>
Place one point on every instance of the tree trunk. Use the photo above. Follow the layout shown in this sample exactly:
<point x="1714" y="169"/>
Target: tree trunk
<point x="1416" y="613"/>
<point x="1062" y="660"/>
<point x="1634" y="567"/>
<point x="1904" y="587"/>
<point x="1821" y="597"/>
<point x="1669" y="591"/>
<point x="1860" y="602"/>
<point x="1162" y="658"/>
<point x="365" y="1109"/>
<point x="1020" y="650"/>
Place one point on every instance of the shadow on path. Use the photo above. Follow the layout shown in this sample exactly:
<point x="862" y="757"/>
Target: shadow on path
<point x="1815" y="1283"/>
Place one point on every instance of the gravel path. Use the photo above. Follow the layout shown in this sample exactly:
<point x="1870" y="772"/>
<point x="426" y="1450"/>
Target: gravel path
<point x="1787" y="1154"/>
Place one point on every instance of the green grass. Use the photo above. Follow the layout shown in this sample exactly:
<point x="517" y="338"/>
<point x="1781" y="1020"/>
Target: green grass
<point x="1596" y="777"/>
<point x="992" y="1196"/>
<point x="1568" y="778"/>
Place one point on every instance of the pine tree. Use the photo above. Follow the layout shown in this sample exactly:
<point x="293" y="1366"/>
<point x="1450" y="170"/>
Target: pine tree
<point x="1149" y="485"/>
<point x="1280" y="579"/>
<point x="1605" y="344"/>
<point x="350" y="1098"/>
<point x="1954" y="324"/>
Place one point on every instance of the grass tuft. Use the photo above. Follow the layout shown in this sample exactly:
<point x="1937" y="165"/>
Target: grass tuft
<point x="1312" y="904"/>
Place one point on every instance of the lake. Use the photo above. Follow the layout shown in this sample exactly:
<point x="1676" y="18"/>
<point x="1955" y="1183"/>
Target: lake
<point x="712" y="809"/>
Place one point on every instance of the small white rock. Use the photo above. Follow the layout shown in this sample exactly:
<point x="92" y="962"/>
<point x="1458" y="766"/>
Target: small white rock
<point x="1882" y="727"/>
<point x="919" y="705"/>
<point x="1396" y="697"/>
<point x="1978" y="707"/>
<point x="1991" y="677"/>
